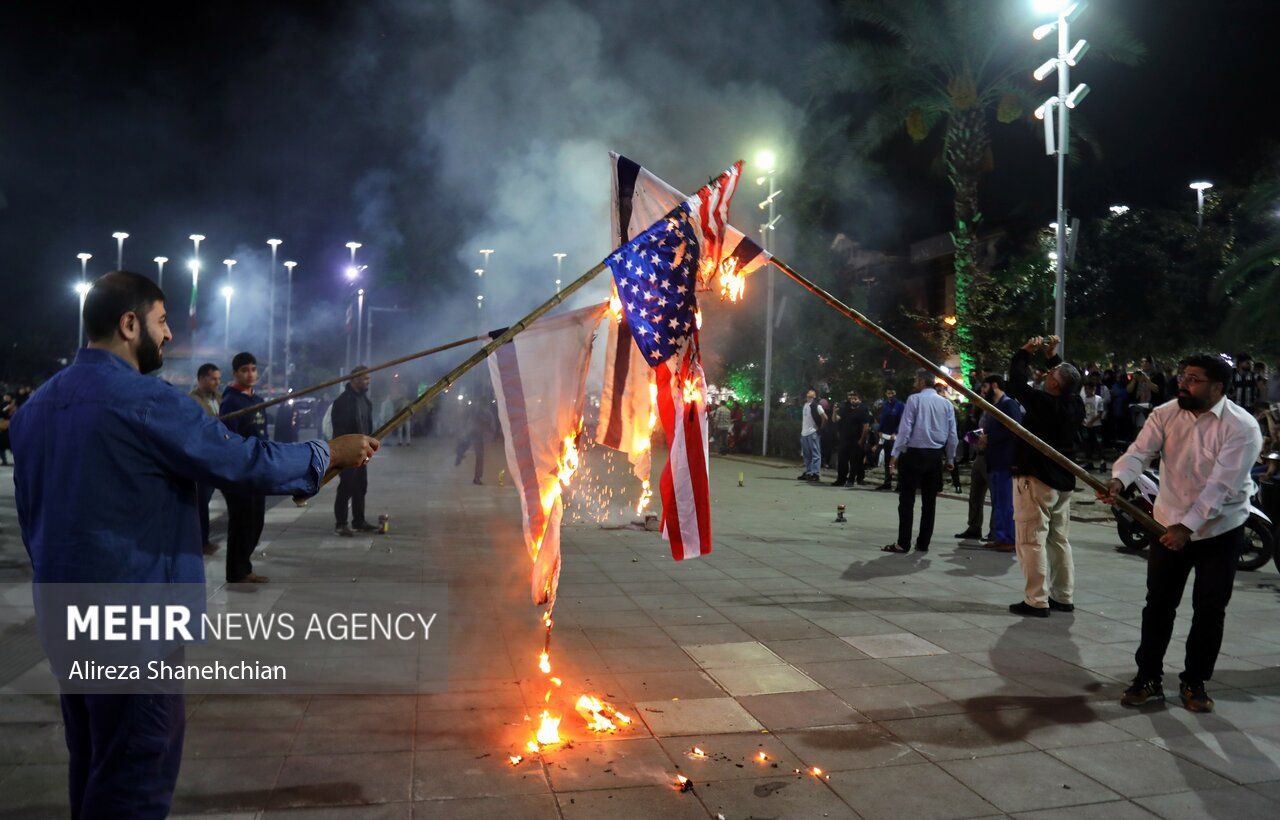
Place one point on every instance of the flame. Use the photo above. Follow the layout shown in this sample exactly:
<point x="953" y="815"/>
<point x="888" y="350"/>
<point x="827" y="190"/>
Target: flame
<point x="682" y="782"/>
<point x="816" y="772"/>
<point x="697" y="317"/>
<point x="544" y="663"/>
<point x="569" y="459"/>
<point x="548" y="730"/>
<point x="615" y="306"/>
<point x="592" y="711"/>
<point x="531" y="747"/>
<point x="762" y="757"/>
<point x="515" y="759"/>
<point x="692" y="390"/>
<point x="733" y="283"/>
<point x="696" y="752"/>
<point x="556" y="681"/>
<point x="646" y="495"/>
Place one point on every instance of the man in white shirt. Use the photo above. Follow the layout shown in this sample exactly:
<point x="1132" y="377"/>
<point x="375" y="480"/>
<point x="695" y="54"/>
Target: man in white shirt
<point x="1206" y="444"/>
<point x="812" y="417"/>
<point x="926" y="442"/>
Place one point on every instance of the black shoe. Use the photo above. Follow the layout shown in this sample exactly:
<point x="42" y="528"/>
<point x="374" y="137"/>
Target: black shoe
<point x="967" y="534"/>
<point x="344" y="531"/>
<point x="803" y="477"/>
<point x="988" y="537"/>
<point x="837" y="483"/>
<point x="477" y="481"/>
<point x="1024" y="608"/>
<point x="1141" y="692"/>
<point x="364" y="526"/>
<point x="888" y="488"/>
<point x="1061" y="607"/>
<point x="1194" y="697"/>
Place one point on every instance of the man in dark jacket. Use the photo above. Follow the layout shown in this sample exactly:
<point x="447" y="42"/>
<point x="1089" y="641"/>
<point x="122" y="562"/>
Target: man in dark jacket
<point x="353" y="413"/>
<point x="1042" y="488"/>
<point x="852" y="419"/>
<point x="246" y="512"/>
<point x="890" y="419"/>
<point x="998" y="446"/>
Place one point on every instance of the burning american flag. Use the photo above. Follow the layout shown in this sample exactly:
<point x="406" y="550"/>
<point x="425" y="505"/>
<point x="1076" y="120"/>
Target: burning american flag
<point x="657" y="275"/>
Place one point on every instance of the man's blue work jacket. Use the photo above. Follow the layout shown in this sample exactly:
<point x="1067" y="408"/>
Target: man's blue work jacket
<point x="106" y="463"/>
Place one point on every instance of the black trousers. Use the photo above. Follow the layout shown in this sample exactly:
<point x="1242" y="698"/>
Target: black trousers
<point x="476" y="441"/>
<point x="1214" y="562"/>
<point x="919" y="470"/>
<point x="125" y="751"/>
<point x="851" y="463"/>
<point x="204" y="494"/>
<point x="245" y="516"/>
<point x="1092" y="443"/>
<point x="353" y="483"/>
<point x="978" y="485"/>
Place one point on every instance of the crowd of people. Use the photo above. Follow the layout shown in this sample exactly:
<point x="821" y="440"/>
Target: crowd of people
<point x="1210" y="422"/>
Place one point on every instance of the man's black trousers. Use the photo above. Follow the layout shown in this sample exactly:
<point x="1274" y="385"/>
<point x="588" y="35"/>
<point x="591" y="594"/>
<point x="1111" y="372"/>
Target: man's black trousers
<point x="851" y="463"/>
<point x="245" y="517"/>
<point x="353" y="483"/>
<point x="1214" y="563"/>
<point x="919" y="470"/>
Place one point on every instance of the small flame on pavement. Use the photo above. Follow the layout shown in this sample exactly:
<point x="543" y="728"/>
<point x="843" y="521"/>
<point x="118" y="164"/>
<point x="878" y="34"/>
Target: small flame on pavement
<point x="683" y="783"/>
<point x="515" y="759"/>
<point x="544" y="663"/>
<point x="762" y="757"/>
<point x="698" y="753"/>
<point x="549" y="730"/>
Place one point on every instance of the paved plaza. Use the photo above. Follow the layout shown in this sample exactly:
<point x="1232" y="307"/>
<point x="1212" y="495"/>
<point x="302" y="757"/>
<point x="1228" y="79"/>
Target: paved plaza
<point x="903" y="678"/>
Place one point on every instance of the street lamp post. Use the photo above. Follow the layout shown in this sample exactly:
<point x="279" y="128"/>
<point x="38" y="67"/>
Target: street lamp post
<point x="1061" y="103"/>
<point x="288" y="325"/>
<point x="359" y="325"/>
<point x="767" y="162"/>
<point x="227" y="292"/>
<point x="1200" y="188"/>
<point x="271" y="310"/>
<point x="160" y="260"/>
<point x="230" y="263"/>
<point x="119" y="237"/>
<point x="194" y="265"/>
<point x="352" y="273"/>
<point x="82" y="289"/>
<point x="559" y="268"/>
<point x="84" y="265"/>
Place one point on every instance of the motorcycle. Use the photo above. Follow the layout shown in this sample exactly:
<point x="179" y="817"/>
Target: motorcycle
<point x="1259" y="531"/>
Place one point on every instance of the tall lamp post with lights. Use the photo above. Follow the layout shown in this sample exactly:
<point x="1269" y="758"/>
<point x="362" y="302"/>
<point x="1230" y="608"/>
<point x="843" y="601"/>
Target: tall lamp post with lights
<point x="227" y="293"/>
<point x="119" y="237"/>
<point x="194" y="265"/>
<point x="1061" y="103"/>
<point x="1200" y="187"/>
<point x="559" y="268"/>
<point x="271" y="311"/>
<point x="160" y="260"/>
<point x="84" y="265"/>
<point x="767" y="162"/>
<point x="288" y="324"/>
<point x="82" y="290"/>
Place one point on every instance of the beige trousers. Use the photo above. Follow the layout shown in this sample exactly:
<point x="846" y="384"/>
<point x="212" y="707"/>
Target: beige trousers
<point x="1041" y="516"/>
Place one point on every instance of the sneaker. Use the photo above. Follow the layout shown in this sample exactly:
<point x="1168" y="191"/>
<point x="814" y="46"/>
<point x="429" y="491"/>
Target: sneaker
<point x="1141" y="692"/>
<point x="344" y="531"/>
<point x="967" y="534"/>
<point x="1024" y="608"/>
<point x="1194" y="697"/>
<point x="1061" y="607"/>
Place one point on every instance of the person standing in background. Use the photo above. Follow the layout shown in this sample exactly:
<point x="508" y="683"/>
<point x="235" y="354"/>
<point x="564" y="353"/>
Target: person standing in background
<point x="208" y="380"/>
<point x="1095" y="411"/>
<point x="353" y="414"/>
<point x="246" y="512"/>
<point x="851" y="422"/>
<point x="999" y="442"/>
<point x="812" y="418"/>
<point x="890" y="418"/>
<point x="927" y="442"/>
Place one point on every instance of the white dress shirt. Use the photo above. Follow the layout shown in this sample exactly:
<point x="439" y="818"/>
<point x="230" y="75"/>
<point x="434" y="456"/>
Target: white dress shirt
<point x="1204" y="465"/>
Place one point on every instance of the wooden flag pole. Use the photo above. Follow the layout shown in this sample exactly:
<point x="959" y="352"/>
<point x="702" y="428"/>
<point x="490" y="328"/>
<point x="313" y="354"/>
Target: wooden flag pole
<point x="322" y="385"/>
<point x="450" y="378"/>
<point x="1147" y="522"/>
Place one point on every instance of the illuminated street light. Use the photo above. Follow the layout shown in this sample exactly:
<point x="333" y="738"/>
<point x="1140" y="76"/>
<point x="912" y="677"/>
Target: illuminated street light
<point x="230" y="263"/>
<point x="119" y="237"/>
<point x="82" y="289"/>
<point x="353" y="247"/>
<point x="288" y="323"/>
<point x="160" y="260"/>
<point x="271" y="310"/>
<point x="1062" y="103"/>
<point x="1119" y="210"/>
<point x="559" y="267"/>
<point x="767" y="162"/>
<point x="227" y="292"/>
<point x="1200" y="187"/>
<point x="84" y="265"/>
<point x="194" y="265"/>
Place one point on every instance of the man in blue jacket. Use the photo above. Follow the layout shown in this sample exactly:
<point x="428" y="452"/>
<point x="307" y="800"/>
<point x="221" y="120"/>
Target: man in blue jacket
<point x="105" y="487"/>
<point x="999" y="444"/>
<point x="890" y="418"/>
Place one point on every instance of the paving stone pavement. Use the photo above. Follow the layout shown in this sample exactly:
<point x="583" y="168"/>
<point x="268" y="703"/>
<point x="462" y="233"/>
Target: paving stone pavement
<point x="902" y="677"/>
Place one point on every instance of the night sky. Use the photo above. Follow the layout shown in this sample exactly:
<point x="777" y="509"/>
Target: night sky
<point x="245" y="120"/>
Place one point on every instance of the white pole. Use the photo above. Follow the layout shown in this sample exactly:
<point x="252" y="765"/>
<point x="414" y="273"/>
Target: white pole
<point x="271" y="312"/>
<point x="1060" y="278"/>
<point x="766" y="234"/>
<point x="288" y="325"/>
<point x="120" y="237"/>
<point x="160" y="260"/>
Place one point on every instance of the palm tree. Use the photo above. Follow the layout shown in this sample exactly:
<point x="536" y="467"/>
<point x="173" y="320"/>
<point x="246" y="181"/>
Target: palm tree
<point x="952" y="65"/>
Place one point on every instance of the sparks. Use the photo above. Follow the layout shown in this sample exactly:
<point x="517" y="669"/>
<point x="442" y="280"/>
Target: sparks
<point x="816" y="772"/>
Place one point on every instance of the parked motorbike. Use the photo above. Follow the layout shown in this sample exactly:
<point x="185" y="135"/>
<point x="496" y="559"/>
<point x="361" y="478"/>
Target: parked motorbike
<point x="1259" y="531"/>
